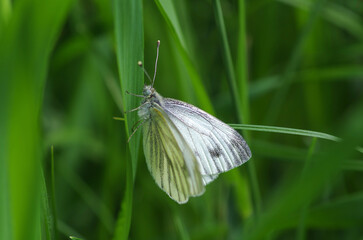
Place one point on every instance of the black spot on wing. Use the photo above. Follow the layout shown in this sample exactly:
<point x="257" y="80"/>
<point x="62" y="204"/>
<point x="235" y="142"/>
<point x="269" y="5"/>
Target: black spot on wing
<point x="234" y="149"/>
<point x="215" y="152"/>
<point x="215" y="161"/>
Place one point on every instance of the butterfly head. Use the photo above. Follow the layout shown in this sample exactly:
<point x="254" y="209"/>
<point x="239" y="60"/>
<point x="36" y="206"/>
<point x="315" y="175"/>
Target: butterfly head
<point x="148" y="91"/>
<point x="151" y="96"/>
<point x="151" y="99"/>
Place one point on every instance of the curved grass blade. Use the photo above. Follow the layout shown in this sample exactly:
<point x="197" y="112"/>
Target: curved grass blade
<point x="292" y="131"/>
<point x="167" y="9"/>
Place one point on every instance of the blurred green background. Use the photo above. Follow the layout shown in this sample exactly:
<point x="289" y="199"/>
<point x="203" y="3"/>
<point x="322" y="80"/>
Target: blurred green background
<point x="66" y="168"/>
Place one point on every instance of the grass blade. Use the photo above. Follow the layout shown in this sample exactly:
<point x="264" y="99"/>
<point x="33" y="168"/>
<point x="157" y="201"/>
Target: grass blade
<point x="23" y="68"/>
<point x="47" y="213"/>
<point x="292" y="131"/>
<point x="168" y="11"/>
<point x="48" y="203"/>
<point x="228" y="58"/>
<point x="242" y="110"/>
<point x="301" y="231"/>
<point x="124" y="216"/>
<point x="129" y="49"/>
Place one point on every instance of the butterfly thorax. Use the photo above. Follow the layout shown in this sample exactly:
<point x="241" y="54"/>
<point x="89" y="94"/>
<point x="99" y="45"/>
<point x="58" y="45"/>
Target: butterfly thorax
<point x="151" y="99"/>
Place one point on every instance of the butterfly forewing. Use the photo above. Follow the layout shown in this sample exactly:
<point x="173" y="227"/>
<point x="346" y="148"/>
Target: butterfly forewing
<point x="217" y="146"/>
<point x="169" y="158"/>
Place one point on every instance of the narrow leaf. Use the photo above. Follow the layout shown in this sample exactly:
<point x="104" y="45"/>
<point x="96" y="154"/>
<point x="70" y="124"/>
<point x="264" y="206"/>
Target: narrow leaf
<point x="293" y="131"/>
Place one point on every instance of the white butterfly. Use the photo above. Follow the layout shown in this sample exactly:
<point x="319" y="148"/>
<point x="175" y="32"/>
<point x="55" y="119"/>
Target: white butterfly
<point x="186" y="148"/>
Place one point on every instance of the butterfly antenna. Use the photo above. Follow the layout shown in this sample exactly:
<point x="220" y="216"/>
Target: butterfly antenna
<point x="142" y="67"/>
<point x="156" y="62"/>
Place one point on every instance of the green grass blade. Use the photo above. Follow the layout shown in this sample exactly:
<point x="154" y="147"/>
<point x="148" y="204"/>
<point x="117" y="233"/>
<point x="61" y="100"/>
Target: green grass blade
<point x="48" y="203"/>
<point x="301" y="230"/>
<point x="130" y="50"/>
<point x="183" y="234"/>
<point x="168" y="11"/>
<point x="128" y="18"/>
<point x="231" y="76"/>
<point x="47" y="214"/>
<point x="242" y="110"/>
<point x="242" y="64"/>
<point x="124" y="216"/>
<point x="242" y="79"/>
<point x="23" y="68"/>
<point x="292" y="131"/>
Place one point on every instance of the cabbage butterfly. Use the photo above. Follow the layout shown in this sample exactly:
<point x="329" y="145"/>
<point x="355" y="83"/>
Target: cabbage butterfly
<point x="185" y="148"/>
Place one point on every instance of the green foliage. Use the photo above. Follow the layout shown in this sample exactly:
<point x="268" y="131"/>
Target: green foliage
<point x="287" y="73"/>
<point x="129" y="49"/>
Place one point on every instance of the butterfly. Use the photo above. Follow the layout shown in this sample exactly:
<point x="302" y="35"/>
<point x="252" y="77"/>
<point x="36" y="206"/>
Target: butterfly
<point x="185" y="147"/>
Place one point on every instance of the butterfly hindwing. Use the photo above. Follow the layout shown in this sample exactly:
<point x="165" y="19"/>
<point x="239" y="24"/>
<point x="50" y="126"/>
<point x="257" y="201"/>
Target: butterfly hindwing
<point x="217" y="146"/>
<point x="169" y="159"/>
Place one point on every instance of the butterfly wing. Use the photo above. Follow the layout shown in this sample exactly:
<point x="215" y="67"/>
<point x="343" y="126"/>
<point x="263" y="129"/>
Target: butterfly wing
<point x="217" y="147"/>
<point x="169" y="158"/>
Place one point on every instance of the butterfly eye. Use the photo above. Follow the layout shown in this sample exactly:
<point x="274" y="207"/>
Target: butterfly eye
<point x="146" y="92"/>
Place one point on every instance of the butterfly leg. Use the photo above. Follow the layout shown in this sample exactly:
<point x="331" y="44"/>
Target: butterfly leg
<point x="135" y="95"/>
<point x="135" y="109"/>
<point x="138" y="126"/>
<point x="135" y="124"/>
